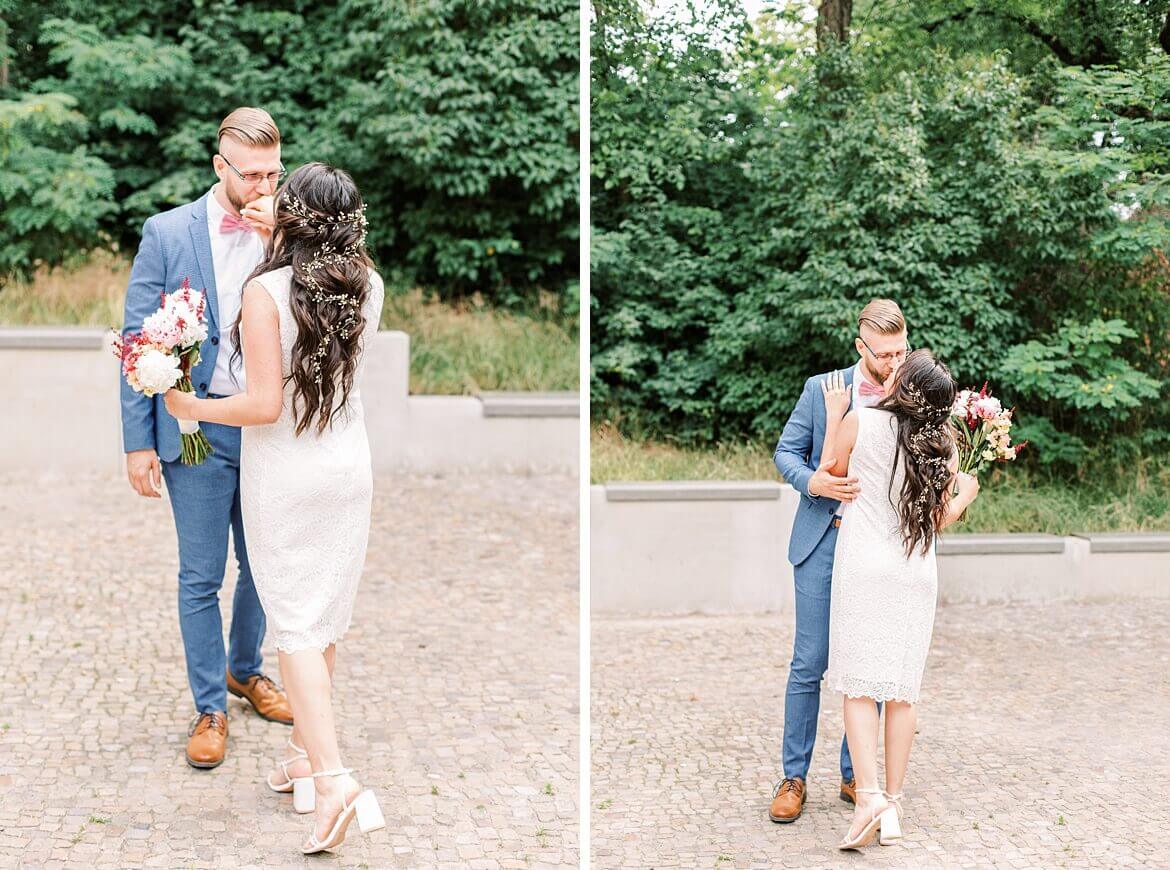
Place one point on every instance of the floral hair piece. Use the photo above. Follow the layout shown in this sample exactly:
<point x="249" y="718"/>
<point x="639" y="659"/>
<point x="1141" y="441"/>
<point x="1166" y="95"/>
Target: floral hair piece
<point x="934" y="413"/>
<point x="328" y="255"/>
<point x="935" y="468"/>
<point x="318" y="220"/>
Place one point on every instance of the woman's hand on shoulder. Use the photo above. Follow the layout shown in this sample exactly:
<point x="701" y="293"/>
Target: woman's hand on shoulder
<point x="837" y="395"/>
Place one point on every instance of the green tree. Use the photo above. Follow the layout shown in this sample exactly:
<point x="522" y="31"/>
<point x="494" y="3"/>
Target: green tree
<point x="752" y="192"/>
<point x="456" y="118"/>
<point x="669" y="139"/>
<point x="53" y="192"/>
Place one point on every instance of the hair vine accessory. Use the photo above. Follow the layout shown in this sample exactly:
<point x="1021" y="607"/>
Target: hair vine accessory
<point x="319" y="220"/>
<point x="933" y="413"/>
<point x="328" y="255"/>
<point x="936" y="469"/>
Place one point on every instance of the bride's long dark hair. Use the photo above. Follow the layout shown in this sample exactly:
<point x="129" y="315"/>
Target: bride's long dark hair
<point x="320" y="232"/>
<point x="921" y="398"/>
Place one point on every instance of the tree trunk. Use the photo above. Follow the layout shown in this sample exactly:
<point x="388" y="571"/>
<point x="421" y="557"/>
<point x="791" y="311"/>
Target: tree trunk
<point x="833" y="19"/>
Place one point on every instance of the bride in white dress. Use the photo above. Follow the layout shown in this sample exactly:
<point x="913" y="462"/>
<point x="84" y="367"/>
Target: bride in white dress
<point x="885" y="581"/>
<point x="308" y="313"/>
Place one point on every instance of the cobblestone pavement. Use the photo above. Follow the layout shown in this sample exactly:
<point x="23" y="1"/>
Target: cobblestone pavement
<point x="1042" y="742"/>
<point x="456" y="688"/>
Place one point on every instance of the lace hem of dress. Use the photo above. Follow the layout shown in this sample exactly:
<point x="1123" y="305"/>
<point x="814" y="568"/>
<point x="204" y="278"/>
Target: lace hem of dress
<point x="289" y="642"/>
<point x="879" y="690"/>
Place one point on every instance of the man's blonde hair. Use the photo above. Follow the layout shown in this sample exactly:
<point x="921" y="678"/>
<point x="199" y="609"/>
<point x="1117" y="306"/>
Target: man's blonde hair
<point x="883" y="315"/>
<point x="250" y="127"/>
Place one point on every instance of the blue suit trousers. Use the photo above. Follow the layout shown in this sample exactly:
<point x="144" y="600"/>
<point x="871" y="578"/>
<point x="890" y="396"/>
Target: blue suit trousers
<point x="205" y="500"/>
<point x="810" y="659"/>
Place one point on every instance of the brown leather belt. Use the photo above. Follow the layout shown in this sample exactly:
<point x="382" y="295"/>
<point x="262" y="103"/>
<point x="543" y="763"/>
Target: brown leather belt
<point x="836" y="522"/>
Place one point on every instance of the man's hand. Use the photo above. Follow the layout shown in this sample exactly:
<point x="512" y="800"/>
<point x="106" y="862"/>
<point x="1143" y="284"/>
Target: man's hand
<point x="824" y="484"/>
<point x="145" y="473"/>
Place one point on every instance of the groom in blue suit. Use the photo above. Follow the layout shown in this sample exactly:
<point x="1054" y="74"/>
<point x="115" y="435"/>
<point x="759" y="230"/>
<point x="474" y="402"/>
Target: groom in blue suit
<point x="215" y="242"/>
<point x="881" y="346"/>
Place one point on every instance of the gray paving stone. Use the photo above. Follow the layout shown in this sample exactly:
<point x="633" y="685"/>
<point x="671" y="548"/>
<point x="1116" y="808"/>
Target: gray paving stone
<point x="1041" y="743"/>
<point x="456" y="686"/>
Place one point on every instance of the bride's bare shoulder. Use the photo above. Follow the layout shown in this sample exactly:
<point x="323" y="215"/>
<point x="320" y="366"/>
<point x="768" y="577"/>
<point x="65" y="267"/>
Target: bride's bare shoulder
<point x="849" y="422"/>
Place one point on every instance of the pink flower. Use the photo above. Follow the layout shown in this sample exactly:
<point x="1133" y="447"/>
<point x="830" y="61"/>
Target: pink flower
<point x="983" y="430"/>
<point x="987" y="408"/>
<point x="163" y="327"/>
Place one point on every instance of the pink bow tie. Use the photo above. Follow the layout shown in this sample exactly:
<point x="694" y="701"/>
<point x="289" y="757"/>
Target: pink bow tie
<point x="231" y="224"/>
<point x="868" y="389"/>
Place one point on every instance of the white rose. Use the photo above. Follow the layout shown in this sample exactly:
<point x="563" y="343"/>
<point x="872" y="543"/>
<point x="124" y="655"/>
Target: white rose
<point x="157" y="371"/>
<point x="194" y="331"/>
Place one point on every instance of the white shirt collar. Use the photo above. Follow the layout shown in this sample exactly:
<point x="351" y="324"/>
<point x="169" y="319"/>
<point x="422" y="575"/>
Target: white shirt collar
<point x="215" y="211"/>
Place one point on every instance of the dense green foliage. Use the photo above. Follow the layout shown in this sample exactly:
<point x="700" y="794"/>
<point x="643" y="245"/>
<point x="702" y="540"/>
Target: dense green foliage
<point x="54" y="193"/>
<point x="750" y="195"/>
<point x="457" y="119"/>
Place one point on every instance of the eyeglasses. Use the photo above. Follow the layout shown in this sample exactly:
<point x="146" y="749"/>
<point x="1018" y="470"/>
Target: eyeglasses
<point x="887" y="357"/>
<point x="254" y="178"/>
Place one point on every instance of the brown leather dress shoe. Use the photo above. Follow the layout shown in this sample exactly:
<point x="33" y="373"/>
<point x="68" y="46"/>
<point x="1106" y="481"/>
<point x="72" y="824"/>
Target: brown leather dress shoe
<point x="267" y="699"/>
<point x="207" y="740"/>
<point x="849" y="791"/>
<point x="787" y="801"/>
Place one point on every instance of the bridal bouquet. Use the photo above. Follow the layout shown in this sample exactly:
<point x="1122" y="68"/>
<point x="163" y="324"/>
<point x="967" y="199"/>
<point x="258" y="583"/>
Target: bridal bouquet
<point x="162" y="355"/>
<point x="982" y="431"/>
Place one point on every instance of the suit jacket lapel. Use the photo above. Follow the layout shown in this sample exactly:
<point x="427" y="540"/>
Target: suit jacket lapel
<point x="849" y="373"/>
<point x="202" y="242"/>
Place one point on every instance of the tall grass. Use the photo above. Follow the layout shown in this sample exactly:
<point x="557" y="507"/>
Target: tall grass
<point x="89" y="294"/>
<point x="467" y="346"/>
<point x="1118" y="499"/>
<point x="456" y="348"/>
<point x="615" y="456"/>
<point x="1012" y="498"/>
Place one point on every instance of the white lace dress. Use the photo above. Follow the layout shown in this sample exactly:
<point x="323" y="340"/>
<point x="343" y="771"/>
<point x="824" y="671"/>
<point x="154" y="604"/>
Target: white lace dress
<point x="306" y="501"/>
<point x="881" y="614"/>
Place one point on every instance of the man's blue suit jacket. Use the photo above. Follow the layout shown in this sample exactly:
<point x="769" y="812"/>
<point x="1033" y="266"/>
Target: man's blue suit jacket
<point x="175" y="245"/>
<point x="798" y="453"/>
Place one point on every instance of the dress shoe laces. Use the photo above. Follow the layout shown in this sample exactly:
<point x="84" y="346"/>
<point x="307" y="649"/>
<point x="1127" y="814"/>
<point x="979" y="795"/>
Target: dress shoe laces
<point x="217" y="722"/>
<point x="785" y="786"/>
<point x="266" y="681"/>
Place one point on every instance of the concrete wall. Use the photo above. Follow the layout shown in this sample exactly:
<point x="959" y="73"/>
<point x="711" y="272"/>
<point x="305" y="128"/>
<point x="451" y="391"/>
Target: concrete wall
<point x="59" y="412"/>
<point x="58" y="401"/>
<point x="671" y="548"/>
